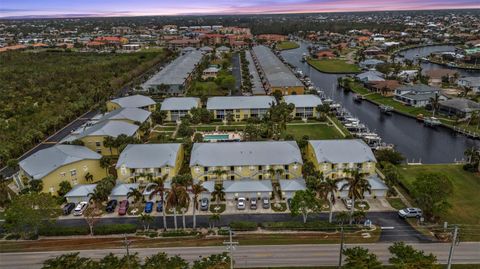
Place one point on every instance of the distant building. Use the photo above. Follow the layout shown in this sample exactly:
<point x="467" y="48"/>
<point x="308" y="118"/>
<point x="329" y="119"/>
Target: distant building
<point x="370" y="76"/>
<point x="305" y="105"/>
<point x="470" y="82"/>
<point x="121" y="30"/>
<point x="178" y="107"/>
<point x="459" y="107"/>
<point x="210" y="72"/>
<point x="240" y="107"/>
<point x="132" y="101"/>
<point x="418" y="95"/>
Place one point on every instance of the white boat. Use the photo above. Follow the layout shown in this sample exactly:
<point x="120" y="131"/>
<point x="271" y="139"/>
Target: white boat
<point x="431" y="121"/>
<point x="386" y="109"/>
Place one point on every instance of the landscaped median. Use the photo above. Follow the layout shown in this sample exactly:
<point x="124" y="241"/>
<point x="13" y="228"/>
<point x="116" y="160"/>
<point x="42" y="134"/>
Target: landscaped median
<point x="287" y="45"/>
<point x="334" y="66"/>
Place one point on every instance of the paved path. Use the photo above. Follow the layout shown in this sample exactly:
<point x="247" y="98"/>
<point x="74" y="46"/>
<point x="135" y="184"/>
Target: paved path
<point x="256" y="256"/>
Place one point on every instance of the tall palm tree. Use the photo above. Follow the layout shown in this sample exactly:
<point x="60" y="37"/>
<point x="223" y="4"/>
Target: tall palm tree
<point x="97" y="197"/>
<point x="135" y="193"/>
<point x="219" y="173"/>
<point x="158" y="187"/>
<point x="197" y="189"/>
<point x="109" y="142"/>
<point x="146" y="219"/>
<point x="183" y="201"/>
<point x="357" y="184"/>
<point x="105" y="163"/>
<point x="327" y="189"/>
<point x="218" y="193"/>
<point x="435" y="102"/>
<point x="173" y="201"/>
<point x="214" y="219"/>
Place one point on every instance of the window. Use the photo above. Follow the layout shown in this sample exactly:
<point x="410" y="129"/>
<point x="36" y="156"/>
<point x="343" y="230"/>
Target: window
<point x="74" y="181"/>
<point x="260" y="177"/>
<point x="232" y="177"/>
<point x="260" y="168"/>
<point x="287" y="176"/>
<point x="285" y="167"/>
<point x="63" y="174"/>
<point x="99" y="151"/>
<point x="205" y="169"/>
<point x="123" y="170"/>
<point x="73" y="172"/>
<point x="232" y="168"/>
<point x="205" y="178"/>
<point x="98" y="144"/>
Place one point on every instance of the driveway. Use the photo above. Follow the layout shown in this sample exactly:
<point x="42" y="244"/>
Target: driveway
<point x="237" y="73"/>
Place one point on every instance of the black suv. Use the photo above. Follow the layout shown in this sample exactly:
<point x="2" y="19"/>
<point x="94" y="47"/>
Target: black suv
<point x="67" y="209"/>
<point x="111" y="205"/>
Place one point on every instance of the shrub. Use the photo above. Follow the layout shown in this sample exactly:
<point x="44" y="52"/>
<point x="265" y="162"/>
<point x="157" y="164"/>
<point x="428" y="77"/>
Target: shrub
<point x="115" y="229"/>
<point x="243" y="225"/>
<point x="179" y="233"/>
<point x="309" y="226"/>
<point x="64" y="231"/>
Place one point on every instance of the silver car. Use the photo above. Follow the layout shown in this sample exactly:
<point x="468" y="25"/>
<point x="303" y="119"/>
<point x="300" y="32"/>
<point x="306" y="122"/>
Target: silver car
<point x="78" y="211"/>
<point x="410" y="212"/>
<point x="265" y="203"/>
<point x="241" y="203"/>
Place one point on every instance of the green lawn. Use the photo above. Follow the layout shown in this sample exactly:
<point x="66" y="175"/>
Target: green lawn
<point x="396" y="203"/>
<point x="465" y="200"/>
<point x="207" y="88"/>
<point x="314" y="131"/>
<point x="205" y="128"/>
<point x="287" y="45"/>
<point x="334" y="66"/>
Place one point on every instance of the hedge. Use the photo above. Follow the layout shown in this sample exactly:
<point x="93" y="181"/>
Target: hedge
<point x="309" y="226"/>
<point x="85" y="230"/>
<point x="243" y="225"/>
<point x="115" y="229"/>
<point x="179" y="233"/>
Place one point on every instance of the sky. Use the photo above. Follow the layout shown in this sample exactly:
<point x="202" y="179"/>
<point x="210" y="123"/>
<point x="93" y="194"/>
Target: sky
<point x="71" y="8"/>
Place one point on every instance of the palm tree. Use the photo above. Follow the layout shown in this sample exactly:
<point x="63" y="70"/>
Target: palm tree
<point x="219" y="173"/>
<point x="173" y="201"/>
<point x="97" y="197"/>
<point x="435" y="102"/>
<point x="327" y="189"/>
<point x="218" y="193"/>
<point x="105" y="163"/>
<point x="109" y="142"/>
<point x="357" y="185"/>
<point x="342" y="217"/>
<point x="88" y="177"/>
<point x="213" y="219"/>
<point x="197" y="189"/>
<point x="158" y="187"/>
<point x="276" y="173"/>
<point x="136" y="194"/>
<point x="146" y="219"/>
<point x="183" y="201"/>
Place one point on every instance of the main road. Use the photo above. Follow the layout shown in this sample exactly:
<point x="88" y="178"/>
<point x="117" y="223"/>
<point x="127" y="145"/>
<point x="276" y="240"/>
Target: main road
<point x="256" y="256"/>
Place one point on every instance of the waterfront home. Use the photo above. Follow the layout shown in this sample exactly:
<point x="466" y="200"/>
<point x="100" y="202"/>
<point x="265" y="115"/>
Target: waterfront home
<point x="385" y="87"/>
<point x="305" y="105"/>
<point x="131" y="115"/>
<point x="140" y="162"/>
<point x="459" y="107"/>
<point x="371" y="51"/>
<point x="370" y="63"/>
<point x="80" y="193"/>
<point x="438" y="76"/>
<point x="334" y="158"/>
<point x="249" y="189"/>
<point x="177" y="107"/>
<point x="418" y="95"/>
<point x="378" y="188"/>
<point x="246" y="160"/>
<point x="370" y="76"/>
<point x="135" y="101"/>
<point x="408" y="75"/>
<point x="60" y="163"/>
<point x="120" y="191"/>
<point x="288" y="187"/>
<point x="240" y="107"/>
<point x="470" y="82"/>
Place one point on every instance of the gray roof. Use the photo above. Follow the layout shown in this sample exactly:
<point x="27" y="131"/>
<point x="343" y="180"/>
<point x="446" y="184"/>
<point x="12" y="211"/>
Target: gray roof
<point x="239" y="102"/>
<point x="371" y="62"/>
<point x="180" y="103"/>
<point x="307" y="100"/>
<point x="123" y="189"/>
<point x="45" y="161"/>
<point x="206" y="48"/>
<point x="475" y="81"/>
<point x="245" y="153"/>
<point x="461" y="104"/>
<point x="177" y="71"/>
<point x="127" y="113"/>
<point x="370" y="76"/>
<point x="342" y="151"/>
<point x="209" y="185"/>
<point x="292" y="184"/>
<point x="375" y="183"/>
<point x="418" y="88"/>
<point x="134" y="101"/>
<point x="257" y="86"/>
<point x="148" y="155"/>
<point x="223" y="48"/>
<point x="111" y="128"/>
<point x="82" y="190"/>
<point x="247" y="186"/>
<point x="419" y="97"/>
<point x="276" y="72"/>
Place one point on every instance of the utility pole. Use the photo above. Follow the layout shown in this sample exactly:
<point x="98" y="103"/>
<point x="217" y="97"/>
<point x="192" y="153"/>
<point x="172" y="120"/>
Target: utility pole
<point x="230" y="247"/>
<point x="452" y="246"/>
<point x="341" y="249"/>
<point x="127" y="244"/>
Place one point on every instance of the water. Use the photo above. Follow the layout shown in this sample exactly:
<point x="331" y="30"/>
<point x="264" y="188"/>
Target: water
<point x="411" y="138"/>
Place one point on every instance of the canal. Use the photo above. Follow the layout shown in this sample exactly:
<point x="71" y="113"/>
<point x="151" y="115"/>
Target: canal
<point x="416" y="142"/>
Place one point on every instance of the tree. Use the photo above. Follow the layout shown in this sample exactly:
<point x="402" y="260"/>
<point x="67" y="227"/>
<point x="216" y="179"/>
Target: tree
<point x="304" y="203"/>
<point x="183" y="201"/>
<point x="357" y="185"/>
<point x="251" y="132"/>
<point x="342" y="217"/>
<point x="197" y="189"/>
<point x="162" y="261"/>
<point x="360" y="258"/>
<point x="158" y="116"/>
<point x="173" y="198"/>
<point x="406" y="257"/>
<point x="432" y="191"/>
<point x="435" y="103"/>
<point x="6" y="194"/>
<point x="214" y="218"/>
<point x="35" y="185"/>
<point x="29" y="212"/>
<point x="92" y="216"/>
<point x="327" y="189"/>
<point x="136" y="194"/>
<point x="109" y="142"/>
<point x="214" y="261"/>
<point x="184" y="129"/>
<point x="389" y="156"/>
<point x="105" y="163"/>
<point x="218" y="193"/>
<point x="392" y="177"/>
<point x="70" y="260"/>
<point x="64" y="188"/>
<point x="158" y="187"/>
<point x="146" y="219"/>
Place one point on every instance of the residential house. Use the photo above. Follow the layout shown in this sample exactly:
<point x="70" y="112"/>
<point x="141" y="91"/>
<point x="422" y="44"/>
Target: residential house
<point x="408" y="75"/>
<point x="370" y="76"/>
<point x="240" y="107"/>
<point x="437" y="76"/>
<point x="80" y="193"/>
<point x="246" y="160"/>
<point x="138" y="162"/>
<point x="385" y="87"/>
<point x="222" y="50"/>
<point x="288" y="187"/>
<point x="370" y="63"/>
<point x="178" y="107"/>
<point x="470" y="82"/>
<point x="133" y="101"/>
<point x="371" y="51"/>
<point x="334" y="158"/>
<point x="210" y="72"/>
<point x="305" y="105"/>
<point x="60" y="163"/>
<point x="459" y="107"/>
<point x="127" y="114"/>
<point x="418" y="95"/>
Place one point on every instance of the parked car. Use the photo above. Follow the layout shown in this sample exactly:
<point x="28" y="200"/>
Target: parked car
<point x="241" y="203"/>
<point x="67" y="209"/>
<point x="204" y="204"/>
<point x="347" y="202"/>
<point x="148" y="207"/>
<point x="111" y="205"/>
<point x="159" y="206"/>
<point x="410" y="212"/>
<point x="80" y="208"/>
<point x="265" y="203"/>
<point x="253" y="204"/>
<point x="123" y="207"/>
<point x="289" y="202"/>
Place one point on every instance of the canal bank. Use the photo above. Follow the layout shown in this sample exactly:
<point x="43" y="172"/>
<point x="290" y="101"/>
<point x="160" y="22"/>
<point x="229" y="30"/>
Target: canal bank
<point x="416" y="142"/>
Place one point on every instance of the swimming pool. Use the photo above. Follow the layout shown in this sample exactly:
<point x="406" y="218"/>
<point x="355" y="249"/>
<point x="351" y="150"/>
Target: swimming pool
<point x="216" y="137"/>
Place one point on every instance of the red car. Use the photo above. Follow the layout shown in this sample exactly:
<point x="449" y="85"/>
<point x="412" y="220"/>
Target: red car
<point x="123" y="207"/>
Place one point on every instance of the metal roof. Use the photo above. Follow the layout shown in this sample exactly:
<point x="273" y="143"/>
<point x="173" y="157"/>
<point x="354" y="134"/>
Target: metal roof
<point x="180" y="103"/>
<point x="127" y="113"/>
<point x="45" y="161"/>
<point x="148" y="155"/>
<point x="111" y="128"/>
<point x="461" y="104"/>
<point x="370" y="76"/>
<point x="418" y="88"/>
<point x="134" y="101"/>
<point x="257" y="86"/>
<point x="375" y="183"/>
<point x="307" y="100"/>
<point x="342" y="151"/>
<point x="245" y="153"/>
<point x="247" y="186"/>
<point x="239" y="102"/>
<point x="292" y="184"/>
<point x="82" y="190"/>
<point x="123" y="189"/>
<point x="276" y="72"/>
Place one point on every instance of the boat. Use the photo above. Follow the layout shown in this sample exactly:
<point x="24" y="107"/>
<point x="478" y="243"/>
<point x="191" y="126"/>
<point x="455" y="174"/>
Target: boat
<point x="386" y="109"/>
<point x="420" y="117"/>
<point x="431" y="121"/>
<point x="358" y="98"/>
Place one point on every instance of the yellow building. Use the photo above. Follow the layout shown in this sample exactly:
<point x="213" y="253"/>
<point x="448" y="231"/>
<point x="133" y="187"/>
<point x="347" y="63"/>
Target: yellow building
<point x="305" y="105"/>
<point x="61" y="163"/>
<point x="93" y="137"/>
<point x="177" y="107"/>
<point x="334" y="158"/>
<point x="133" y="101"/>
<point x="240" y="107"/>
<point x="246" y="160"/>
<point x="156" y="160"/>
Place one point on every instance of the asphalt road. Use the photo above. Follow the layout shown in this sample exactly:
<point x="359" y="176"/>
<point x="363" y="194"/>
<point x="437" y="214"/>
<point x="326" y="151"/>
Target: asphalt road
<point x="257" y="256"/>
<point x="237" y="73"/>
<point x="396" y="229"/>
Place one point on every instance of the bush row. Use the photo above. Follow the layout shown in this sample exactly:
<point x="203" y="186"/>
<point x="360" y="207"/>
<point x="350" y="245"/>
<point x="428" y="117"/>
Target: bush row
<point x="84" y="230"/>
<point x="180" y="233"/>
<point x="243" y="225"/>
